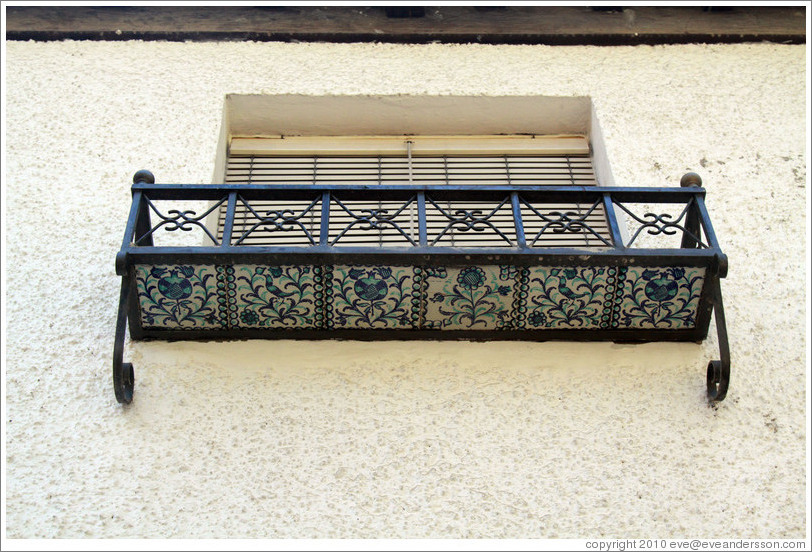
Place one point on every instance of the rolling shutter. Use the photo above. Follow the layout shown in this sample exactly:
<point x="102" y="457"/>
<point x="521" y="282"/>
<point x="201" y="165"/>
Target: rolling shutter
<point x="435" y="161"/>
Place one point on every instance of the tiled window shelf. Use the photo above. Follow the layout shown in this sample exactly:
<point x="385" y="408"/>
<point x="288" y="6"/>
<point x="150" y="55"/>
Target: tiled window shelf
<point x="548" y="262"/>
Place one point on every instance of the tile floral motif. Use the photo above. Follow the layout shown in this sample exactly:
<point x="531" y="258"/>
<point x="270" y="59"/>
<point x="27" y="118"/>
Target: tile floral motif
<point x="664" y="298"/>
<point x="470" y="298"/>
<point x="273" y="297"/>
<point x="179" y="297"/>
<point x="566" y="297"/>
<point x="484" y="297"/>
<point x="373" y="297"/>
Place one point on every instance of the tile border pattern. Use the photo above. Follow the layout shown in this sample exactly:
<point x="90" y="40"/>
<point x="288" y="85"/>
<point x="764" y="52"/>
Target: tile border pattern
<point x="472" y="297"/>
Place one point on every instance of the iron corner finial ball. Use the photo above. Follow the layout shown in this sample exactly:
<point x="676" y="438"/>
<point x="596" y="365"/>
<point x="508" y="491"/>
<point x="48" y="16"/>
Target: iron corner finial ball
<point x="690" y="179"/>
<point x="143" y="177"/>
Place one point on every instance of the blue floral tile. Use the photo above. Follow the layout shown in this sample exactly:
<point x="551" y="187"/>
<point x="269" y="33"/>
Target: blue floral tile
<point x="566" y="297"/>
<point x="469" y="298"/>
<point x="373" y="297"/>
<point x="657" y="297"/>
<point x="180" y="297"/>
<point x="486" y="297"/>
<point x="274" y="297"/>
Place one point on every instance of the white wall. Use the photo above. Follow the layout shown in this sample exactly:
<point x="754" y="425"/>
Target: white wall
<point x="343" y="439"/>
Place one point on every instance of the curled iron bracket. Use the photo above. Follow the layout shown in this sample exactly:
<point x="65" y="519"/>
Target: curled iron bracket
<point x="721" y="263"/>
<point x="123" y="375"/>
<point x="718" y="377"/>
<point x="121" y="263"/>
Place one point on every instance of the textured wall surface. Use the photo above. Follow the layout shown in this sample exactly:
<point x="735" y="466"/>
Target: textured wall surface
<point x="393" y="439"/>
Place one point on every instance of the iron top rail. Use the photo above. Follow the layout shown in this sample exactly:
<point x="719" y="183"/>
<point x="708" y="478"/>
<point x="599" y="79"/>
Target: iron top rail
<point x="394" y="191"/>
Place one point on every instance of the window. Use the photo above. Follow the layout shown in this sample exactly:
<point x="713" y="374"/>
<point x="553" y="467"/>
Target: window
<point x="407" y="141"/>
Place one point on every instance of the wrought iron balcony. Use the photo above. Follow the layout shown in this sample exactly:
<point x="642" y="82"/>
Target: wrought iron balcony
<point x="420" y="261"/>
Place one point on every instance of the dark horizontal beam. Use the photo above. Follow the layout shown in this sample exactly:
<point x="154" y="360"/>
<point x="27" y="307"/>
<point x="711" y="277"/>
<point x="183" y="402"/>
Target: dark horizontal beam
<point x="404" y="191"/>
<point x="631" y="335"/>
<point x="449" y="38"/>
<point x="554" y="25"/>
<point x="417" y="256"/>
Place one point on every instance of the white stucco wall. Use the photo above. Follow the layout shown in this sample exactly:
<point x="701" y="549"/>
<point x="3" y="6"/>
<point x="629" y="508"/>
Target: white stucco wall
<point x="344" y="439"/>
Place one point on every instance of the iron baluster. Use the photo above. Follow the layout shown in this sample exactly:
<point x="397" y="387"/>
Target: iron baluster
<point x="142" y="224"/>
<point x="130" y="233"/>
<point x="692" y="217"/>
<point x="421" y="219"/>
<point x="517" y="219"/>
<point x="324" y="227"/>
<point x="228" y="225"/>
<point x="706" y="222"/>
<point x="611" y="218"/>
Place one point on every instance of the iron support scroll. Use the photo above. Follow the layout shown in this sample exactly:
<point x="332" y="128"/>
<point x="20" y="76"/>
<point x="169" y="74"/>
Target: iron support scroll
<point x="138" y="229"/>
<point x="718" y="377"/>
<point x="123" y="374"/>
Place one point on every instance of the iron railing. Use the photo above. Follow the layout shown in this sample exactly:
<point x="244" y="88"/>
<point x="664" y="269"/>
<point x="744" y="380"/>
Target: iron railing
<point x="538" y="218"/>
<point x="425" y="226"/>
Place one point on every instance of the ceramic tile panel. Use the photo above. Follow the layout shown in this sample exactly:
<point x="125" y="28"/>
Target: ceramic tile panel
<point x="373" y="297"/>
<point x="180" y="297"/>
<point x="567" y="297"/>
<point x="274" y="296"/>
<point x="469" y="298"/>
<point x="659" y="297"/>
<point x="483" y="297"/>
